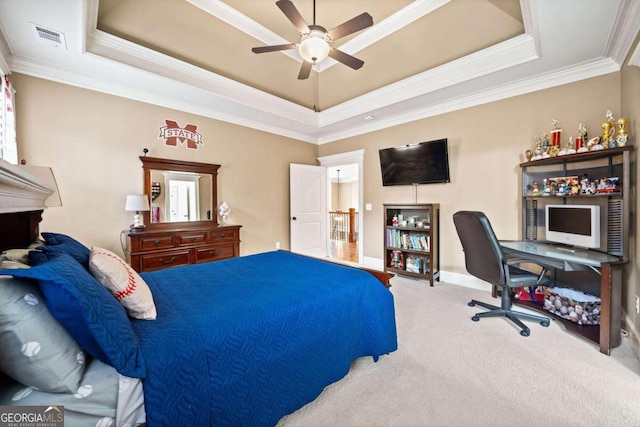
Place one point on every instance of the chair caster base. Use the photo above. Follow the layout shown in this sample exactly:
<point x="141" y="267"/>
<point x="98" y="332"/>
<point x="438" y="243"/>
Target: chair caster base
<point x="525" y="333"/>
<point x="475" y="318"/>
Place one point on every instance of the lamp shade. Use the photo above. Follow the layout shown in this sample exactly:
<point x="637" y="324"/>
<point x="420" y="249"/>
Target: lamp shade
<point x="314" y="48"/>
<point x="136" y="203"/>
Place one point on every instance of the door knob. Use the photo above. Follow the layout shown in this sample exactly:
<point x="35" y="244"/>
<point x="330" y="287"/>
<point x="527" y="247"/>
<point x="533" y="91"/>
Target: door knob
<point x="294" y="218"/>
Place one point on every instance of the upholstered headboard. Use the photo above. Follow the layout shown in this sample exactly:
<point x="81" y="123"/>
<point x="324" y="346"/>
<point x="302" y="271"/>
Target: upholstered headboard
<point x="22" y="200"/>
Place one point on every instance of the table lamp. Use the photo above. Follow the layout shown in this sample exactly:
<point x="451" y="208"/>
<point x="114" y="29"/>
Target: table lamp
<point x="136" y="203"/>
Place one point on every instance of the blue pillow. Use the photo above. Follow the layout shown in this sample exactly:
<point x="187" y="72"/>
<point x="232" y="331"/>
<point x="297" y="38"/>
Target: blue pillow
<point x="61" y="243"/>
<point x="88" y="311"/>
<point x="37" y="257"/>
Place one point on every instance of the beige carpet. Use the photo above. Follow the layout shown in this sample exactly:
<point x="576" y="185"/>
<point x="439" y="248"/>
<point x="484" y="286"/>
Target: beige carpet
<point x="451" y="371"/>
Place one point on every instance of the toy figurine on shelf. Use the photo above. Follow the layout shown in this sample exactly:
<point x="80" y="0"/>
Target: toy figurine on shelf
<point x="575" y="186"/>
<point x="397" y="259"/>
<point x="536" y="188"/>
<point x="623" y="137"/>
<point x="547" y="187"/>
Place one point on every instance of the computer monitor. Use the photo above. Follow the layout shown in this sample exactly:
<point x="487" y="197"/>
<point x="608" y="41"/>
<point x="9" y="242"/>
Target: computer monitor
<point x="575" y="225"/>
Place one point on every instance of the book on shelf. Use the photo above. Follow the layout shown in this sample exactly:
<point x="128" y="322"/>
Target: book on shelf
<point x="407" y="240"/>
<point x="414" y="264"/>
<point x="417" y="264"/>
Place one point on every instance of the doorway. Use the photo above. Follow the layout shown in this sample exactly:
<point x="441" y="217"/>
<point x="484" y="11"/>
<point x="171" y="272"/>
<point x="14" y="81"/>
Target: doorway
<point x="345" y="200"/>
<point x="342" y="202"/>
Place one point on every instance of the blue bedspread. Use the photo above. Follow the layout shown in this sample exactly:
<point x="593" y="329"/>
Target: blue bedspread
<point x="245" y="341"/>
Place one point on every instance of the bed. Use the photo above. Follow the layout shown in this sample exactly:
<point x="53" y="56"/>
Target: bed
<point x="242" y="341"/>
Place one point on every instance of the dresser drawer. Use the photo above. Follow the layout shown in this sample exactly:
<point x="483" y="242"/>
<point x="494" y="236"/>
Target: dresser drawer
<point x="213" y="253"/>
<point x="195" y="238"/>
<point x="219" y="236"/>
<point x="158" y="261"/>
<point x="160" y="242"/>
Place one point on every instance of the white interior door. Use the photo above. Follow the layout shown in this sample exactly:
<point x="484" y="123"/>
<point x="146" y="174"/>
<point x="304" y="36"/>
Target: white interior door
<point x="308" y="210"/>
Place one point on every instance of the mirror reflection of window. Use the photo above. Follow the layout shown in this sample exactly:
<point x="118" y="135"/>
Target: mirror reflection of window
<point x="182" y="203"/>
<point x="160" y="203"/>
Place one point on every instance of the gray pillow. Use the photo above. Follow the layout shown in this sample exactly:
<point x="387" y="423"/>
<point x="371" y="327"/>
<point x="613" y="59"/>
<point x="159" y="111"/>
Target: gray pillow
<point x="36" y="350"/>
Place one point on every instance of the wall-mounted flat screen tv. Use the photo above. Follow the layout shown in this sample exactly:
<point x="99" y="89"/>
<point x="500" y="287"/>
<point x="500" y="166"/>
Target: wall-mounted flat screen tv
<point x="421" y="163"/>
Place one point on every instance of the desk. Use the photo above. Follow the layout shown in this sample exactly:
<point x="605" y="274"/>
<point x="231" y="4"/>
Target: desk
<point x="609" y="269"/>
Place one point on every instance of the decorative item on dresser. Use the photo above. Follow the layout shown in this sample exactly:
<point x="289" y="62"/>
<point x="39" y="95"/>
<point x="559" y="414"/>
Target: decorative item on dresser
<point x="136" y="203"/>
<point x="181" y="233"/>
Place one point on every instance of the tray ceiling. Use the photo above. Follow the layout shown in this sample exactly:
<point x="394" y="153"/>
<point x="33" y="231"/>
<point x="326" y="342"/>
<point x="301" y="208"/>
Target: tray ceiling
<point x="422" y="57"/>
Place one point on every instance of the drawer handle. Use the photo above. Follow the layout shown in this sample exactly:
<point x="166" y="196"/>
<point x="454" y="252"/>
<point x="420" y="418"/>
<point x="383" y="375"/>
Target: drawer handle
<point x="193" y="239"/>
<point x="157" y="243"/>
<point x="214" y="253"/>
<point x="169" y="261"/>
<point x="222" y="236"/>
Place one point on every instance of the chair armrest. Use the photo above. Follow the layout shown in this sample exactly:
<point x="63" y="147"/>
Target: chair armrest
<point x="541" y="276"/>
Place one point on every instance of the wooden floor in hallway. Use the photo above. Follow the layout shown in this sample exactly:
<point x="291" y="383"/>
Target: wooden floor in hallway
<point x="345" y="251"/>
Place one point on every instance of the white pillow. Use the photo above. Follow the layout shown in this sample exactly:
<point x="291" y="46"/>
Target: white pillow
<point x="123" y="282"/>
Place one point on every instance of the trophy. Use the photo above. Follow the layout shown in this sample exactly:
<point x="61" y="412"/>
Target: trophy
<point x="608" y="139"/>
<point x="581" y="139"/>
<point x="555" y="133"/>
<point x="623" y="137"/>
<point x="546" y="145"/>
<point x="568" y="149"/>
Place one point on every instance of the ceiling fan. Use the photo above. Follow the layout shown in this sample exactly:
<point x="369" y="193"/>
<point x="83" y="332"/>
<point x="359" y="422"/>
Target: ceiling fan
<point x="314" y="43"/>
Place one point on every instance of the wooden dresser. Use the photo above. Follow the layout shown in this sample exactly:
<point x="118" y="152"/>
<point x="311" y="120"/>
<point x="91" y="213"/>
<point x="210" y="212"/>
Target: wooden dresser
<point x="151" y="250"/>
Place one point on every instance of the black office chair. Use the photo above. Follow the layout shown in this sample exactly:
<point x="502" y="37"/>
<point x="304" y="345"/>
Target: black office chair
<point x="485" y="260"/>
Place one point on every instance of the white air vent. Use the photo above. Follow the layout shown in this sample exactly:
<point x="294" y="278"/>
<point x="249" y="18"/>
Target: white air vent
<point x="49" y="36"/>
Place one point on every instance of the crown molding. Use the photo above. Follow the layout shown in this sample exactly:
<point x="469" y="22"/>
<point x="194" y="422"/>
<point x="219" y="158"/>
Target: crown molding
<point x="114" y="48"/>
<point x="5" y="51"/>
<point x="635" y="57"/>
<point x="515" y="51"/>
<point x="208" y="106"/>
<point x="624" y="31"/>
<point x="543" y="81"/>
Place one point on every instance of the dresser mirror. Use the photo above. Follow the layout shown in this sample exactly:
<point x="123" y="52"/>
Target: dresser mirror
<point x="180" y="192"/>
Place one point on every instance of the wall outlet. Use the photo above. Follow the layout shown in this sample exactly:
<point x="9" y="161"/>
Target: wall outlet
<point x="278" y="247"/>
<point x="637" y="304"/>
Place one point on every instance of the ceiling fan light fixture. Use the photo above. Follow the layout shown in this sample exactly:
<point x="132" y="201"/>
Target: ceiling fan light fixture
<point x="314" y="47"/>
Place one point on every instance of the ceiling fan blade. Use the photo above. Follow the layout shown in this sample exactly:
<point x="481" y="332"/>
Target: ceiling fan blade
<point x="263" y="49"/>
<point x="305" y="70"/>
<point x="353" y="25"/>
<point x="346" y="59"/>
<point x="294" y="16"/>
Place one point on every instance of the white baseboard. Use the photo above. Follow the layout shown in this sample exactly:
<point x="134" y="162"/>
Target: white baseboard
<point x="374" y="263"/>
<point x="466" y="280"/>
